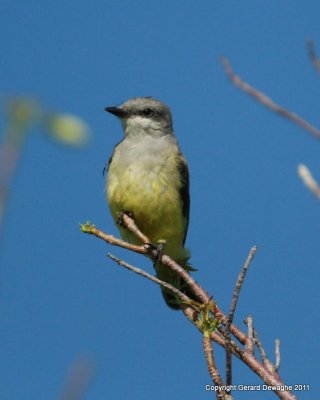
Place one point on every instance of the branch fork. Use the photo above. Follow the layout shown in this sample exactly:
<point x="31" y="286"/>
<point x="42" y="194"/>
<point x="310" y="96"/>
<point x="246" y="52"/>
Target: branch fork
<point x="205" y="314"/>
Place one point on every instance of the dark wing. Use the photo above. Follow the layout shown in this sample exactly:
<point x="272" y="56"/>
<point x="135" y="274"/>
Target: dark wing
<point x="107" y="164"/>
<point x="184" y="190"/>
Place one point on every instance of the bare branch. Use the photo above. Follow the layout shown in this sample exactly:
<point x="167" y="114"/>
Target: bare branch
<point x="313" y="56"/>
<point x="239" y="284"/>
<point x="212" y="368"/>
<point x="267" y="102"/>
<point x="166" y="260"/>
<point x="92" y="230"/>
<point x="147" y="248"/>
<point x="261" y="351"/>
<point x="247" y="355"/>
<point x="131" y="225"/>
<point x="197" y="290"/>
<point x="266" y="362"/>
<point x="152" y="278"/>
<point x="235" y="297"/>
<point x="307" y="178"/>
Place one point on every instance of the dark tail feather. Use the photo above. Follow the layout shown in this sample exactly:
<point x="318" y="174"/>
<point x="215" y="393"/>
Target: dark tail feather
<point x="167" y="275"/>
<point x="173" y="301"/>
<point x="170" y="299"/>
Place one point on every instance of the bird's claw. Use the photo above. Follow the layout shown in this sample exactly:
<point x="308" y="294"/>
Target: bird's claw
<point x="120" y="217"/>
<point x="158" y="249"/>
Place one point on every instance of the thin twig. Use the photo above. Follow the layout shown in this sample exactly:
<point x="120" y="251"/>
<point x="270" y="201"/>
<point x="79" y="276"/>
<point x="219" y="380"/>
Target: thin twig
<point x="313" y="55"/>
<point x="93" y="230"/>
<point x="308" y="179"/>
<point x="212" y="368"/>
<point x="278" y="356"/>
<point x="239" y="284"/>
<point x="249" y="346"/>
<point x="184" y="298"/>
<point x="166" y="260"/>
<point x="150" y="250"/>
<point x="131" y="225"/>
<point x="266" y="362"/>
<point x="196" y="289"/>
<point x="260" y="348"/>
<point x="266" y="101"/>
<point x="235" y="297"/>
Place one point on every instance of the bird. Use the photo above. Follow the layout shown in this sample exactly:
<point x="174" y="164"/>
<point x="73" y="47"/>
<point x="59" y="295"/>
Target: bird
<point x="148" y="178"/>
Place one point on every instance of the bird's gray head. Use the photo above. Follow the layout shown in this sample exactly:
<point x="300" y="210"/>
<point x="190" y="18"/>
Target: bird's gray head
<point x="144" y="115"/>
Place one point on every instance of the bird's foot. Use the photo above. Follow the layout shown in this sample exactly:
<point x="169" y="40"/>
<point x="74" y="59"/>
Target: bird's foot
<point x="159" y="250"/>
<point x="120" y="217"/>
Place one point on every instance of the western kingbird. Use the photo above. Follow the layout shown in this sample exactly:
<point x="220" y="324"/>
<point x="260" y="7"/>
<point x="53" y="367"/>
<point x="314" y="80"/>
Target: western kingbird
<point x="148" y="177"/>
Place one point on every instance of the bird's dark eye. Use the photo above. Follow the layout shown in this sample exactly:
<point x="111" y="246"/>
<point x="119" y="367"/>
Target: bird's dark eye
<point x="147" y="112"/>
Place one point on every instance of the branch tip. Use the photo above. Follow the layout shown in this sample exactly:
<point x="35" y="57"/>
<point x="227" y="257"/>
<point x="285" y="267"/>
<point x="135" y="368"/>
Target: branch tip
<point x="87" y="228"/>
<point x="278" y="355"/>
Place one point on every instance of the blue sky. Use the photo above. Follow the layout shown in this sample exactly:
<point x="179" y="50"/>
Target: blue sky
<point x="61" y="298"/>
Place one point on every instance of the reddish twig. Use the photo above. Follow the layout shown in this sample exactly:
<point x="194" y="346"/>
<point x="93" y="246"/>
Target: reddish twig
<point x="131" y="225"/>
<point x="235" y="297"/>
<point x="92" y="230"/>
<point x="212" y="368"/>
<point x="148" y="249"/>
<point x="266" y="101"/>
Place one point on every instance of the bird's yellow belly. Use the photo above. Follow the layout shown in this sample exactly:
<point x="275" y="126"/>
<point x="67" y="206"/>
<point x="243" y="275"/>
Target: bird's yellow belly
<point x="155" y="204"/>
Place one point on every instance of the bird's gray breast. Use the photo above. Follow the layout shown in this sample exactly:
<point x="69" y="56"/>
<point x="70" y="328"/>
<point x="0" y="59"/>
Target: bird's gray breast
<point x="145" y="154"/>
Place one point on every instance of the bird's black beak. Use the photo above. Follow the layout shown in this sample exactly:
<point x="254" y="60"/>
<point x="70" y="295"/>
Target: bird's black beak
<point x="117" y="111"/>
